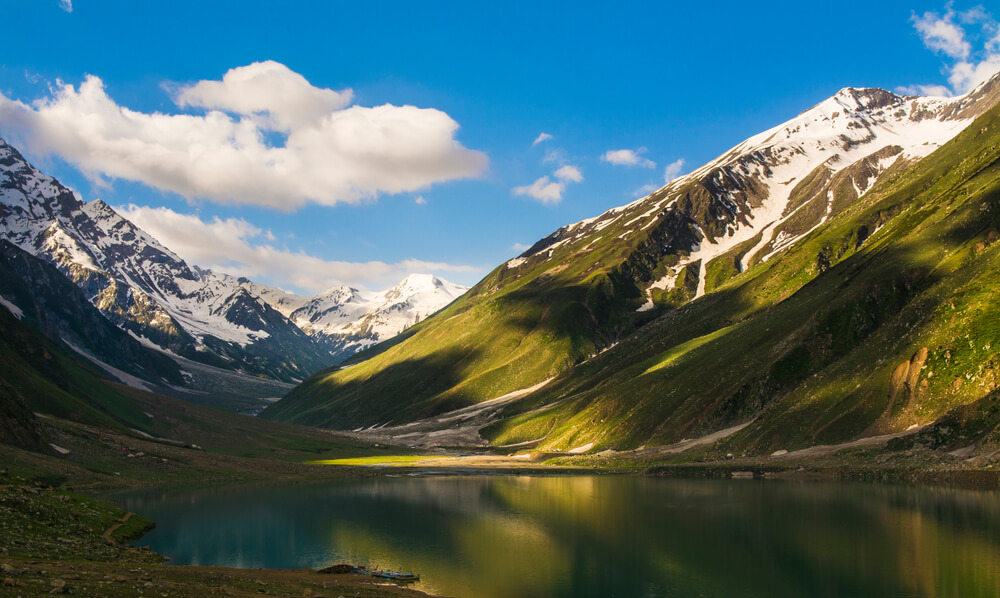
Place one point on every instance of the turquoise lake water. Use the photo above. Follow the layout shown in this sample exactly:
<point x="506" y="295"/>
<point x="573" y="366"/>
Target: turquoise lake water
<point x="599" y="536"/>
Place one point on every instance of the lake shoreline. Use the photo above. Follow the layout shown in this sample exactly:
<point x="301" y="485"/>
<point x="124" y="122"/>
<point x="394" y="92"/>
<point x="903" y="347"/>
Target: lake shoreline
<point x="134" y="567"/>
<point x="94" y="470"/>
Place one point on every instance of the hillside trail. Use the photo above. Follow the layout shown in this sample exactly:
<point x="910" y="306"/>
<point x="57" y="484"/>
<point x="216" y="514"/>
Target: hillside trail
<point x="111" y="530"/>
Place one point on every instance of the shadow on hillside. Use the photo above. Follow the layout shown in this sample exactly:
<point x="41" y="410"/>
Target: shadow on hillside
<point x="865" y="308"/>
<point x="404" y="391"/>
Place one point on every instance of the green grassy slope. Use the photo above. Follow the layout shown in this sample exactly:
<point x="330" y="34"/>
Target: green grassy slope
<point x="888" y="316"/>
<point x="493" y="340"/>
<point x="44" y="376"/>
<point x="884" y="317"/>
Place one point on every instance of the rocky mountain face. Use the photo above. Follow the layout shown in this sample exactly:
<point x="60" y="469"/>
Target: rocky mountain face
<point x="346" y="320"/>
<point x="217" y="319"/>
<point x="34" y="290"/>
<point x="142" y="286"/>
<point x="763" y="195"/>
<point x="789" y="274"/>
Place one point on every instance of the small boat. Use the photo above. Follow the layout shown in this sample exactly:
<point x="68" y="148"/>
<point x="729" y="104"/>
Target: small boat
<point x="387" y="574"/>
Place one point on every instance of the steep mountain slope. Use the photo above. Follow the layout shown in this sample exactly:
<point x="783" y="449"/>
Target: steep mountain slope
<point x="38" y="375"/>
<point x="142" y="286"/>
<point x="38" y="293"/>
<point x="753" y="214"/>
<point x="886" y="318"/>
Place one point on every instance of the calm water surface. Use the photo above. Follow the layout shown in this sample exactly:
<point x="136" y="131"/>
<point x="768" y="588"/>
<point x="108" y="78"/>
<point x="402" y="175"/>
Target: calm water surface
<point x="520" y="536"/>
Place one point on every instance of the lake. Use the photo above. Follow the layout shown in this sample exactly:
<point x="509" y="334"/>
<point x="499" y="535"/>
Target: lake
<point x="599" y="536"/>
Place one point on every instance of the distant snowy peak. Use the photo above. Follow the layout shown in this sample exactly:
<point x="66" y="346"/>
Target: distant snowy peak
<point x="774" y="188"/>
<point x="412" y="300"/>
<point x="424" y="285"/>
<point x="346" y="319"/>
<point x="332" y="311"/>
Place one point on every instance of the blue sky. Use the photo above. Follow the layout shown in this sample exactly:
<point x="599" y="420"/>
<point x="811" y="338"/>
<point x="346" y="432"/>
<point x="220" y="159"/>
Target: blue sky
<point x="464" y="179"/>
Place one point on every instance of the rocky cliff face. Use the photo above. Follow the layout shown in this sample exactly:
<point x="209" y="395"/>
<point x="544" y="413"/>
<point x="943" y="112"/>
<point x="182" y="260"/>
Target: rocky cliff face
<point x="142" y="286"/>
<point x="37" y="291"/>
<point x="765" y="194"/>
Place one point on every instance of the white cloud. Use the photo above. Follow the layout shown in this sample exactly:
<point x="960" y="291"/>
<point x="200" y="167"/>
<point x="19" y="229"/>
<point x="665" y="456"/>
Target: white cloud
<point x="941" y="34"/>
<point x="924" y="90"/>
<point x="965" y="76"/>
<point x="543" y="190"/>
<point x="950" y="35"/>
<point x="520" y="247"/>
<point x="237" y="247"/>
<point x="628" y="157"/>
<point x="673" y="170"/>
<point x="541" y="137"/>
<point x="569" y="174"/>
<point x="420" y="201"/>
<point x="331" y="153"/>
<point x="546" y="190"/>
<point x="266" y="88"/>
<point x="66" y="5"/>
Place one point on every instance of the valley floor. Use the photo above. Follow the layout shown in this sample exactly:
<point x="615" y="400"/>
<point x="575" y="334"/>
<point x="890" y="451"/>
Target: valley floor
<point x="877" y="458"/>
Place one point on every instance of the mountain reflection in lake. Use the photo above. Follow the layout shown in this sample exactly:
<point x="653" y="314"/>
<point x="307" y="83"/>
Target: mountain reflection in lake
<point x="499" y="536"/>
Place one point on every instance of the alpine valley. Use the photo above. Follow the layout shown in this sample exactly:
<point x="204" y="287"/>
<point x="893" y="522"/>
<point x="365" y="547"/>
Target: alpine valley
<point x="830" y="280"/>
<point x="680" y="370"/>
<point x="93" y="281"/>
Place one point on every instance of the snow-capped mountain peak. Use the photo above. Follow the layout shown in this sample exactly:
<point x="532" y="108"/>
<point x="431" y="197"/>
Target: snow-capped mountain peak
<point x="772" y="189"/>
<point x="142" y="286"/>
<point x="347" y="320"/>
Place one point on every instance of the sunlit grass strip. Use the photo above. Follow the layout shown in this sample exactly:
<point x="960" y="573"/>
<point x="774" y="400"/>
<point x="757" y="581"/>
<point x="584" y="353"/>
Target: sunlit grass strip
<point x="395" y="460"/>
<point x="680" y="350"/>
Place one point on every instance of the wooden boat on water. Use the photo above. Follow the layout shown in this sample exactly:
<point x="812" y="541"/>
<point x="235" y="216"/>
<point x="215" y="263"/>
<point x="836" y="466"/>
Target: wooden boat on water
<point x="396" y="575"/>
<point x="387" y="574"/>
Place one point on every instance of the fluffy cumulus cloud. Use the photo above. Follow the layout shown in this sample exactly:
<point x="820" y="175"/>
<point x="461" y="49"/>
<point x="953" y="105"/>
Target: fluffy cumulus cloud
<point x="969" y="41"/>
<point x="550" y="190"/>
<point x="544" y="190"/>
<point x="237" y="247"/>
<point x="628" y="157"/>
<point x="66" y="5"/>
<point x="222" y="149"/>
<point x="569" y="174"/>
<point x="280" y="98"/>
<point x="542" y="137"/>
<point x="942" y="34"/>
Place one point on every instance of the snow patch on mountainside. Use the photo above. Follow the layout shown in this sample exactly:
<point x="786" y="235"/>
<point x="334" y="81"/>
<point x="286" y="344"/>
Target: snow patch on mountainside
<point x="780" y="184"/>
<point x="13" y="309"/>
<point x="123" y="377"/>
<point x="835" y="134"/>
